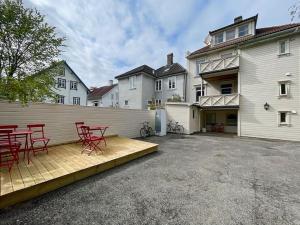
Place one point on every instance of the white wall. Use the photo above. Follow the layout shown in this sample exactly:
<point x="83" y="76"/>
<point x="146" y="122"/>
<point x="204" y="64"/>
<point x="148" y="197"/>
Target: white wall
<point x="60" y="119"/>
<point x="67" y="92"/>
<point x="108" y="101"/>
<point x="260" y="70"/>
<point x="147" y="90"/>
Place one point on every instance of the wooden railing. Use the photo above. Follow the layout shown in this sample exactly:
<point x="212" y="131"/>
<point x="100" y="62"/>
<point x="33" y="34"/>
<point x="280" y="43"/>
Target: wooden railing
<point x="219" y="100"/>
<point x="219" y="64"/>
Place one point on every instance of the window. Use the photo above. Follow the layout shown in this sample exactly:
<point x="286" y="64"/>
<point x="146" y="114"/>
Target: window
<point x="226" y="89"/>
<point x="284" y="88"/>
<point x="95" y="103"/>
<point x="198" y="65"/>
<point x="126" y="102"/>
<point x="219" y="38"/>
<point x="158" y="85"/>
<point x="61" y="83"/>
<point x="76" y="101"/>
<point x="200" y="91"/>
<point x="157" y="102"/>
<point x="230" y="34"/>
<point x="73" y="85"/>
<point x="193" y="114"/>
<point x="132" y="82"/>
<point x="172" y="83"/>
<point x="284" y="47"/>
<point x="60" y="99"/>
<point x="243" y="30"/>
<point x="231" y="120"/>
<point x="284" y="118"/>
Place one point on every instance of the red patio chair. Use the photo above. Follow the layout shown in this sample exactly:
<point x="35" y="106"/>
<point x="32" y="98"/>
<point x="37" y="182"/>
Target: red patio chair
<point x="38" y="136"/>
<point x="79" y="132"/>
<point x="91" y="143"/>
<point x="9" y="149"/>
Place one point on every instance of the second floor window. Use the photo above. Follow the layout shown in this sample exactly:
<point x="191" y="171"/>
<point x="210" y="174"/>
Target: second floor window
<point x="226" y="89"/>
<point x="198" y="65"/>
<point x="132" y="82"/>
<point x="61" y="83"/>
<point x="243" y="30"/>
<point x="283" y="47"/>
<point x="200" y="91"/>
<point x="284" y="88"/>
<point x="158" y="85"/>
<point x="73" y="85"/>
<point x="60" y="99"/>
<point x="230" y="34"/>
<point x="76" y="101"/>
<point x="219" y="38"/>
<point x="172" y="83"/>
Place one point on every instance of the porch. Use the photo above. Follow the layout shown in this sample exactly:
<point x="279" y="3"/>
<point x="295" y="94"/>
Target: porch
<point x="64" y="164"/>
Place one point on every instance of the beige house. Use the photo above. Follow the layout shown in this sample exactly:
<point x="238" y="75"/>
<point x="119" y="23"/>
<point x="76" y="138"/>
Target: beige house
<point x="246" y="80"/>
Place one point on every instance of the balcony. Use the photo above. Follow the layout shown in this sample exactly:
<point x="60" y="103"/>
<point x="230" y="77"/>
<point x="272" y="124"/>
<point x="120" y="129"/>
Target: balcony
<point x="220" y="101"/>
<point x="221" y="66"/>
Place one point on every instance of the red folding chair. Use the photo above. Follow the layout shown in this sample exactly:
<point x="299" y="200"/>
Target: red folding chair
<point x="38" y="137"/>
<point x="9" y="149"/>
<point x="90" y="143"/>
<point x="79" y="131"/>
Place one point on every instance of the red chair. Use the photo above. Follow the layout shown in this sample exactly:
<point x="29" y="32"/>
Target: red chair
<point x="90" y="142"/>
<point x="79" y="131"/>
<point x="38" y="136"/>
<point x="9" y="149"/>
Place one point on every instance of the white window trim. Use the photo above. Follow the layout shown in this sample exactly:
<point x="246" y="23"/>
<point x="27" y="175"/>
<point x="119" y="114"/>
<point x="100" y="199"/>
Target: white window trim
<point x="287" y="88"/>
<point x="160" y="80"/>
<point x="287" y="47"/>
<point x="77" y="98"/>
<point x="238" y="30"/>
<point x="175" y="79"/>
<point x="288" y="119"/>
<point x="133" y="84"/>
<point x="72" y="83"/>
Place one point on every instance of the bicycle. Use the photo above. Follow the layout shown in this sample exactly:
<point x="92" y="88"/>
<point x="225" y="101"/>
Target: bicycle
<point x="146" y="130"/>
<point x="174" y="127"/>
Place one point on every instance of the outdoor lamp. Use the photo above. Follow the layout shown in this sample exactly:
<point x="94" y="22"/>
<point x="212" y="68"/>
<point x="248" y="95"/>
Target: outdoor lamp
<point x="266" y="106"/>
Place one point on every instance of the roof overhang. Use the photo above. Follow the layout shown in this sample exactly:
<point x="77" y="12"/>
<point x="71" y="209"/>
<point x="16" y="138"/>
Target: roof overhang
<point x="219" y="73"/>
<point x="216" y="107"/>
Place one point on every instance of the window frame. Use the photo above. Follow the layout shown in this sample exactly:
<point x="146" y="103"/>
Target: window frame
<point x="287" y="88"/>
<point x="202" y="89"/>
<point x="198" y="63"/>
<point x="173" y="81"/>
<point x="76" y="100"/>
<point x="60" y="99"/>
<point x="126" y="102"/>
<point x="132" y="82"/>
<point x="217" y="36"/>
<point x="287" y="121"/>
<point x="287" y="47"/>
<point x="239" y="30"/>
<point x="72" y="85"/>
<point x="159" y="82"/>
<point x="222" y="88"/>
<point x="59" y="83"/>
<point x="158" y="102"/>
<point x="231" y="30"/>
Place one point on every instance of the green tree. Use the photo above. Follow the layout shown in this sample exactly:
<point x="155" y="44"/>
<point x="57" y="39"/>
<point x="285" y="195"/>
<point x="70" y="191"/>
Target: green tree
<point x="28" y="46"/>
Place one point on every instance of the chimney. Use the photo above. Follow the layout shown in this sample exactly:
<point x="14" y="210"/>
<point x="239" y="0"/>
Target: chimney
<point x="238" y="19"/>
<point x="110" y="82"/>
<point x="170" y="59"/>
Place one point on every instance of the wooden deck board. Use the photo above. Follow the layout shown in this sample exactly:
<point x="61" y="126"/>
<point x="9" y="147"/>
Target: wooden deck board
<point x="63" y="165"/>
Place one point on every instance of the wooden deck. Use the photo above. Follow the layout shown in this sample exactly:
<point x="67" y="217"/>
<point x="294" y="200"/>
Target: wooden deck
<point x="64" y="165"/>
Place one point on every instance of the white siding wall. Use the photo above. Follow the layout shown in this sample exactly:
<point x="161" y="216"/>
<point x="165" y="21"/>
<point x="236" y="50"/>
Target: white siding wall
<point x="60" y="119"/>
<point x="134" y="96"/>
<point x="69" y="94"/>
<point x="260" y="71"/>
<point x="108" y="100"/>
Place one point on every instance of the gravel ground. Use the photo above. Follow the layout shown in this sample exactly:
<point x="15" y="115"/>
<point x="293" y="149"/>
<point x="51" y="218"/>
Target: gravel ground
<point x="190" y="180"/>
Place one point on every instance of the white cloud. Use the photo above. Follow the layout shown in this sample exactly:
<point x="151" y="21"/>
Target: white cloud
<point x="108" y="37"/>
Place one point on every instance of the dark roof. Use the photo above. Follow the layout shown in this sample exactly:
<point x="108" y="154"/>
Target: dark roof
<point x="96" y="93"/>
<point x="234" y="24"/>
<point x="169" y="70"/>
<point x="66" y="64"/>
<point x="259" y="33"/>
<point x="144" y="68"/>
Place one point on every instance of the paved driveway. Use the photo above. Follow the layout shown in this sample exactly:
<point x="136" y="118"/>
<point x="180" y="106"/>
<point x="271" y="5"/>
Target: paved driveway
<point x="191" y="180"/>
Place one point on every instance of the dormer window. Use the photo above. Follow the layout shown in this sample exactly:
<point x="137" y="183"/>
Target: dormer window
<point x="230" y="34"/>
<point x="243" y="30"/>
<point x="219" y="38"/>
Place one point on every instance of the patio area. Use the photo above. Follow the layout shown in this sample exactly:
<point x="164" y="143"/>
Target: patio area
<point x="64" y="164"/>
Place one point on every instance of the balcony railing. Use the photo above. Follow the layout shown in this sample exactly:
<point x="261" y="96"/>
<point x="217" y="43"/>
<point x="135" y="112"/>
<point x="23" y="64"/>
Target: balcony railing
<point x="219" y="64"/>
<point x="219" y="100"/>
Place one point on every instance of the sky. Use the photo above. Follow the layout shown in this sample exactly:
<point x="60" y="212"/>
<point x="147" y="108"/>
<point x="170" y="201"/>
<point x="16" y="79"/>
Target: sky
<point x="105" y="38"/>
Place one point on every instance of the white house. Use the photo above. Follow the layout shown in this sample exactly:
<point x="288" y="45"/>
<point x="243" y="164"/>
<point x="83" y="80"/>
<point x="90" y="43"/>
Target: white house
<point x="105" y="96"/>
<point x="142" y="85"/>
<point x="246" y="80"/>
<point x="69" y="87"/>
